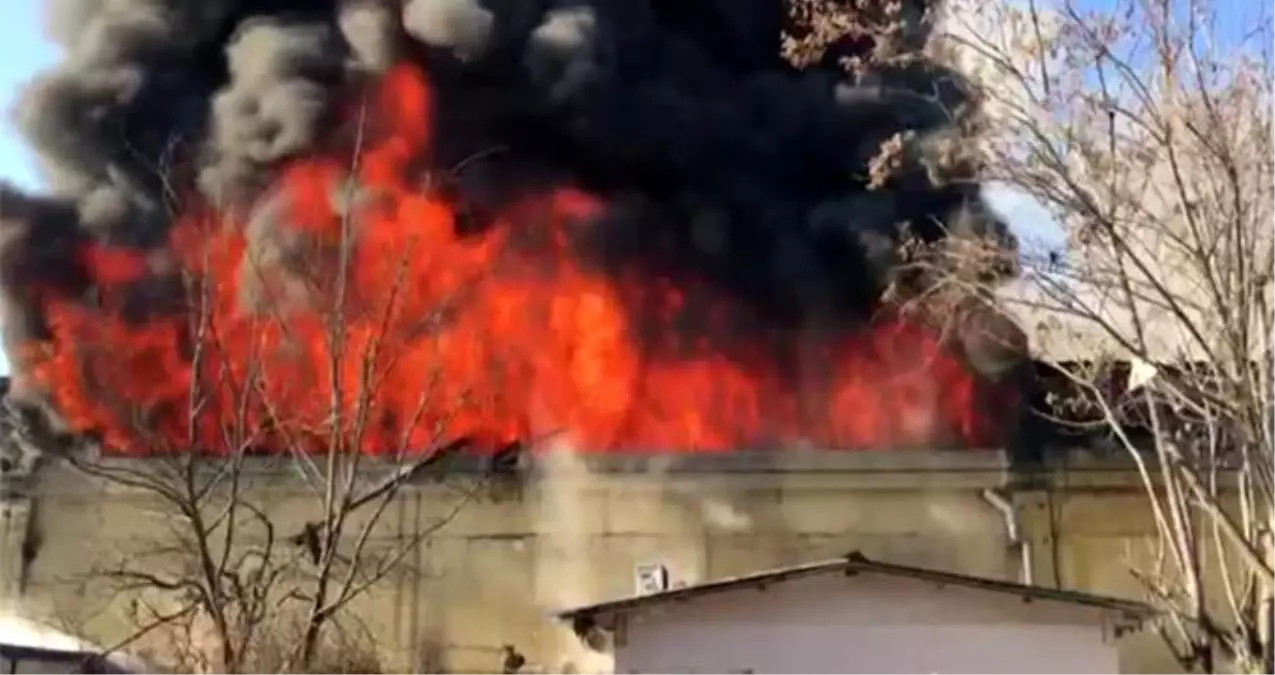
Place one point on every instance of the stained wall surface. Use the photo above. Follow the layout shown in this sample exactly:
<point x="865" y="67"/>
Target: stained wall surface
<point x="500" y="557"/>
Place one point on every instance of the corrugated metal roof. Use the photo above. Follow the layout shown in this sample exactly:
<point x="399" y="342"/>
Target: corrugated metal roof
<point x="854" y="563"/>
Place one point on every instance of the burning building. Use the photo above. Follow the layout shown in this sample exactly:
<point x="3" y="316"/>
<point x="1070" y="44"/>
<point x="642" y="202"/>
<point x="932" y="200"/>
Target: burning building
<point x="632" y="220"/>
<point x="497" y="219"/>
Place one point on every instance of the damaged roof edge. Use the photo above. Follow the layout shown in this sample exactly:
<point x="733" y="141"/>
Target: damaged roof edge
<point x="853" y="563"/>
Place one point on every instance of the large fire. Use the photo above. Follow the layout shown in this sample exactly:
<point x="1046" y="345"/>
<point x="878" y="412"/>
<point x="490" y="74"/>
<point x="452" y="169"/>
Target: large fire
<point x="498" y="335"/>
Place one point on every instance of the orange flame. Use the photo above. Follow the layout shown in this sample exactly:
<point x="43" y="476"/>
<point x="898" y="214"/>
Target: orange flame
<point x="423" y="333"/>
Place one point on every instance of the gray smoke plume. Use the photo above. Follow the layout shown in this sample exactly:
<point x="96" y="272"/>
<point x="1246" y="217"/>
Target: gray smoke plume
<point x="717" y="161"/>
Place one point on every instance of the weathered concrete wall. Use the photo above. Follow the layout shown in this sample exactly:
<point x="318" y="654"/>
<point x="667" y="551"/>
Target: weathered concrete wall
<point x="491" y="575"/>
<point x="572" y="536"/>
<point x="1090" y="525"/>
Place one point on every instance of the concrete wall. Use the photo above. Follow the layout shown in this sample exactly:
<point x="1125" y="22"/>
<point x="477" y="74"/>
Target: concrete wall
<point x="573" y="534"/>
<point x="1089" y="524"/>
<point x="864" y="624"/>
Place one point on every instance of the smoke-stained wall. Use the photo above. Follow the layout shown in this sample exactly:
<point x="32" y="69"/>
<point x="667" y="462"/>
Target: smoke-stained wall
<point x="573" y="535"/>
<point x="576" y="533"/>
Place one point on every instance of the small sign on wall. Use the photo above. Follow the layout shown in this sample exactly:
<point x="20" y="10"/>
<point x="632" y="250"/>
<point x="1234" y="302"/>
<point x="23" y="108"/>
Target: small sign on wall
<point x="651" y="578"/>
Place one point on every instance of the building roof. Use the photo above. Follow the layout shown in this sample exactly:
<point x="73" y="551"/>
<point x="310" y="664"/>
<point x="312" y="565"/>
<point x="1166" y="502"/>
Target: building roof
<point x="21" y="632"/>
<point x="853" y="563"/>
<point x="23" y="639"/>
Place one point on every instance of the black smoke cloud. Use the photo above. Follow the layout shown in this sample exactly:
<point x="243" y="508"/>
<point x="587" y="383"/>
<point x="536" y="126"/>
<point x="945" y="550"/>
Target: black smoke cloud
<point x="717" y="159"/>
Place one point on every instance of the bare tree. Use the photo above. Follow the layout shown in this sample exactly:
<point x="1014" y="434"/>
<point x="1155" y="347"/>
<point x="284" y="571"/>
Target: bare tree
<point x="1143" y="127"/>
<point x="277" y="351"/>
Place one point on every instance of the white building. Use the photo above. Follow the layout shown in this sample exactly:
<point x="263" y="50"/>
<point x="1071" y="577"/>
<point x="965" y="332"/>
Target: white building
<point x="853" y="615"/>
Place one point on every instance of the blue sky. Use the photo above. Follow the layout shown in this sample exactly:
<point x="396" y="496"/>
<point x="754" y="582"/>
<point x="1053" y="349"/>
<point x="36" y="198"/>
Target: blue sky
<point x="23" y="52"/>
